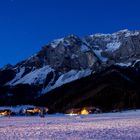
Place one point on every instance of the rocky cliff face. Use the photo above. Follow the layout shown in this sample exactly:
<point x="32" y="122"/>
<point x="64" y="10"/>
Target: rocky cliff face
<point x="68" y="59"/>
<point x="119" y="47"/>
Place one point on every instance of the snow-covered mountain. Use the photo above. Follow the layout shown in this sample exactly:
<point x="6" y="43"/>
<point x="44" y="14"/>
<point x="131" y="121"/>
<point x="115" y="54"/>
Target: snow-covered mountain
<point x="71" y="58"/>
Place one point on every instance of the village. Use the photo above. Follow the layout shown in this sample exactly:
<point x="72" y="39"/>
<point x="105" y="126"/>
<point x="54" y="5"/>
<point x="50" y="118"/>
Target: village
<point x="42" y="111"/>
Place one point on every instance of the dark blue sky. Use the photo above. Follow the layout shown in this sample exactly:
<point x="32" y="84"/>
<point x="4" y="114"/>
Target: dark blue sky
<point x="27" y="25"/>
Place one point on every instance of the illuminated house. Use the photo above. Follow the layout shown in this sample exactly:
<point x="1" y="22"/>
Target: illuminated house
<point x="83" y="111"/>
<point x="36" y="110"/>
<point x="79" y="111"/>
<point x="5" y="112"/>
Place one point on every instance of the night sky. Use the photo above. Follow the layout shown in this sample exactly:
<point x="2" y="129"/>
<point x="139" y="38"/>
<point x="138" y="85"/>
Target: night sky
<point x="27" y="25"/>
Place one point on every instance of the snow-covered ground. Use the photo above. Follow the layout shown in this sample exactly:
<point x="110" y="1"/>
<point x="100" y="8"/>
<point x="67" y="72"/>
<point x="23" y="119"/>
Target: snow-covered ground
<point x="109" y="126"/>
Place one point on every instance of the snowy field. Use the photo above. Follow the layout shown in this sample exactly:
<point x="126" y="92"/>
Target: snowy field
<point x="109" y="126"/>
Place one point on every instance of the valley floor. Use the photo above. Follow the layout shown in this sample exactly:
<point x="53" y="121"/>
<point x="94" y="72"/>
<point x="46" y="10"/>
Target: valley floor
<point x="109" y="126"/>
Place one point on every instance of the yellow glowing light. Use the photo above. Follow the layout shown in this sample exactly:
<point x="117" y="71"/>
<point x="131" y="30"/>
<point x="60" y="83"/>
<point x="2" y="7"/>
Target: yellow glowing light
<point x="37" y="110"/>
<point x="84" y="112"/>
<point x="5" y="113"/>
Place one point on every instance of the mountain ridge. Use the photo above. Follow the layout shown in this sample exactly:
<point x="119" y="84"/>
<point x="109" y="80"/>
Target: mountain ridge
<point x="68" y="59"/>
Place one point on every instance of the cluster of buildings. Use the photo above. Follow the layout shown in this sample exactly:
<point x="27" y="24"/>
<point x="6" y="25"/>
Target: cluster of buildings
<point x="41" y="111"/>
<point x="28" y="111"/>
<point x="83" y="111"/>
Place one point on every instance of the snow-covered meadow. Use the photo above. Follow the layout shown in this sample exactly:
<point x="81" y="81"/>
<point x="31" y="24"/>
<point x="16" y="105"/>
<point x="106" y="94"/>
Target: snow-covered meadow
<point x="108" y="126"/>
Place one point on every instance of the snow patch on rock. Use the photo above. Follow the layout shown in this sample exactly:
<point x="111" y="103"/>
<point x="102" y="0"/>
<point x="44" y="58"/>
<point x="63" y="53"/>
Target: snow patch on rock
<point x="100" y="35"/>
<point x="98" y="53"/>
<point x="68" y="77"/>
<point x="124" y="64"/>
<point x="17" y="77"/>
<point x="35" y="77"/>
<point x="113" y="46"/>
<point x="84" y="48"/>
<point x="138" y="60"/>
<point x="56" y="42"/>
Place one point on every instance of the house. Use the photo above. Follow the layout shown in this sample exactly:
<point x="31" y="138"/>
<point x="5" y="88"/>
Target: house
<point x="5" y="112"/>
<point x="83" y="111"/>
<point x="35" y="111"/>
<point x="79" y="111"/>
